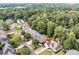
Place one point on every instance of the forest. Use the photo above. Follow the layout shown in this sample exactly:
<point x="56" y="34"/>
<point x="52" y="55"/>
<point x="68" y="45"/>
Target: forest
<point x="54" y="20"/>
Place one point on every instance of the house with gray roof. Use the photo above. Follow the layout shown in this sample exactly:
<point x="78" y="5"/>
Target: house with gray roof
<point x="72" y="52"/>
<point x="53" y="45"/>
<point x="8" y="50"/>
<point x="41" y="38"/>
<point x="36" y="35"/>
<point x="9" y="21"/>
<point x="3" y="35"/>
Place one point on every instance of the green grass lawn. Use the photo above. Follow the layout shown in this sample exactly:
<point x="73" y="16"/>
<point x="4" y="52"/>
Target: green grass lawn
<point x="60" y="52"/>
<point x="47" y="52"/>
<point x="50" y="52"/>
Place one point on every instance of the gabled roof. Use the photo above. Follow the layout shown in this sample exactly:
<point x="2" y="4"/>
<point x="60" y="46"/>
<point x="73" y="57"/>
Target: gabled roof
<point x="3" y="35"/>
<point x="2" y="32"/>
<point x="9" y="21"/>
<point x="20" y="46"/>
<point x="10" y="53"/>
<point x="72" y="52"/>
<point x="36" y="35"/>
<point x="53" y="45"/>
<point x="8" y="49"/>
<point x="1" y="52"/>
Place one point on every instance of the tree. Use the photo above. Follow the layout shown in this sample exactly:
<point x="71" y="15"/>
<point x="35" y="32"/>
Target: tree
<point x="66" y="44"/>
<point x="5" y="26"/>
<point x="27" y="36"/>
<point x="76" y="46"/>
<point x="63" y="38"/>
<point x="22" y="32"/>
<point x="10" y="15"/>
<point x="25" y="17"/>
<point x="41" y="27"/>
<point x="71" y="22"/>
<point x="59" y="30"/>
<point x="50" y="28"/>
<point x="23" y="51"/>
<point x="15" y="41"/>
<point x="18" y="27"/>
<point x="1" y="44"/>
<point x="76" y="30"/>
<point x="70" y="41"/>
<point x="35" y="43"/>
<point x="19" y="15"/>
<point x="3" y="16"/>
<point x="34" y="24"/>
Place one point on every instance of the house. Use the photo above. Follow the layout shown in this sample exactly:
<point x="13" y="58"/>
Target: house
<point x="1" y="52"/>
<point x="72" y="52"/>
<point x="47" y="44"/>
<point x="18" y="21"/>
<point x="53" y="45"/>
<point x="20" y="46"/>
<point x="13" y="27"/>
<point x="3" y="35"/>
<point x="8" y="50"/>
<point x="9" y="21"/>
<point x="43" y="38"/>
<point x="36" y="35"/>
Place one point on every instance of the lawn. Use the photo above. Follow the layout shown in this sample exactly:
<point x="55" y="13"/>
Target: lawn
<point x="47" y="52"/>
<point x="60" y="52"/>
<point x="50" y="52"/>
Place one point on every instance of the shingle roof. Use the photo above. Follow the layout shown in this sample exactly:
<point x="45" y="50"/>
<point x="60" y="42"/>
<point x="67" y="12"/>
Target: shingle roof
<point x="8" y="49"/>
<point x="1" y="52"/>
<point x="53" y="45"/>
<point x="3" y="35"/>
<point x="33" y="33"/>
<point x="72" y="52"/>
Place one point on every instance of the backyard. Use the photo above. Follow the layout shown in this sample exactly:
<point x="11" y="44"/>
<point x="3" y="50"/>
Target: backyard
<point x="50" y="52"/>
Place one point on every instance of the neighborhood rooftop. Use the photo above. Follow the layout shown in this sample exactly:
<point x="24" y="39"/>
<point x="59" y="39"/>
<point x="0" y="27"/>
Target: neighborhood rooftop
<point x="72" y="52"/>
<point x="33" y="33"/>
<point x="36" y="35"/>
